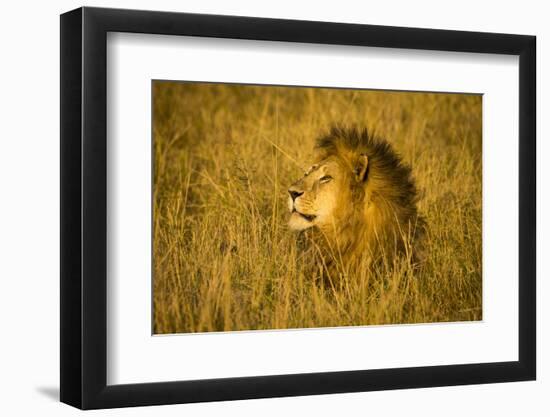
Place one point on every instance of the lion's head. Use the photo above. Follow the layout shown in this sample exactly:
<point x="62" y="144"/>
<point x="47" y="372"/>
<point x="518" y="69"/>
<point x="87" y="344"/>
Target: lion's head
<point x="321" y="198"/>
<point x="359" y="195"/>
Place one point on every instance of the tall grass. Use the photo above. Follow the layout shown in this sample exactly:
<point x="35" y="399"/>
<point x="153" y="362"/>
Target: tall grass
<point x="224" y="156"/>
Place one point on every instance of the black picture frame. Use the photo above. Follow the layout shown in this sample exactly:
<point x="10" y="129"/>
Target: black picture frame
<point x="84" y="207"/>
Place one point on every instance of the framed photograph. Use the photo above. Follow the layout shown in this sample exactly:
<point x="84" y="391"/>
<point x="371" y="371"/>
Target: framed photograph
<point x="260" y="208"/>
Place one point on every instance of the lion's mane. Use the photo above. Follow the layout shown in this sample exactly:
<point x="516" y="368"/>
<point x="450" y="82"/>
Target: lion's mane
<point x="382" y="220"/>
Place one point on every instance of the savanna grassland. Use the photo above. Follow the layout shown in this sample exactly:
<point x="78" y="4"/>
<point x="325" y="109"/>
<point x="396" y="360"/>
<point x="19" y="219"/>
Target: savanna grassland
<point x="223" y="257"/>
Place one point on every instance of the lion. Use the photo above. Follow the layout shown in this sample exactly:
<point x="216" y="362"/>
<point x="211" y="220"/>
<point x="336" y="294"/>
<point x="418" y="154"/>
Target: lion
<point x="358" y="202"/>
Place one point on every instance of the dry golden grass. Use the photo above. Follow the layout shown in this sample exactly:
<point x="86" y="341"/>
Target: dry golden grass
<point x="224" y="156"/>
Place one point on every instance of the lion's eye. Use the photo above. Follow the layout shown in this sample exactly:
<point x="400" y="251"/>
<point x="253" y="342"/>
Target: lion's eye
<point x="325" y="178"/>
<point x="310" y="169"/>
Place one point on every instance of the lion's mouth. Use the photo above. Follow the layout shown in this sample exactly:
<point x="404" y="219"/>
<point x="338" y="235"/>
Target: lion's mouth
<point x="308" y="217"/>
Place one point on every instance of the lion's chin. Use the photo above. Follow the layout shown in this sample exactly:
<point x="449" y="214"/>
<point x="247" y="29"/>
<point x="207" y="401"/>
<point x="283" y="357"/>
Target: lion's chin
<point x="298" y="222"/>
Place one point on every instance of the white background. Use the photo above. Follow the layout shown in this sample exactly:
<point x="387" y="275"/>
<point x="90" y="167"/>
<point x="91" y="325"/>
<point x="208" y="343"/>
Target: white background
<point x="133" y="60"/>
<point x="29" y="237"/>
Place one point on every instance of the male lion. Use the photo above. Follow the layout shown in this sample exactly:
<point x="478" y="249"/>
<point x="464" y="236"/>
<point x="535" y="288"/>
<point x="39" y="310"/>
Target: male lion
<point x="358" y="202"/>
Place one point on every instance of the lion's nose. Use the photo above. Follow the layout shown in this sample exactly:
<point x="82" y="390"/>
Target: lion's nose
<point x="294" y="194"/>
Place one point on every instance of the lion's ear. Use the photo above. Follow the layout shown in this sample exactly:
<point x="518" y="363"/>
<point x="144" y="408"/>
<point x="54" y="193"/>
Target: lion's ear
<point x="361" y="167"/>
